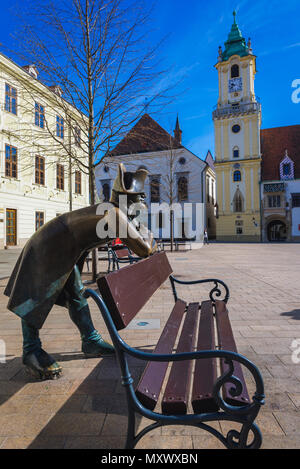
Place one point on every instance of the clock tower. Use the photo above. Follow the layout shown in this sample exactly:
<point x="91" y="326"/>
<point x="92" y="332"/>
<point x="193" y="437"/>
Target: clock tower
<point x="237" y="122"/>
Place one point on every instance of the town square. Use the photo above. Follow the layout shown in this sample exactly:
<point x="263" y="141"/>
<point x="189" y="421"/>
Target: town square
<point x="149" y="228"/>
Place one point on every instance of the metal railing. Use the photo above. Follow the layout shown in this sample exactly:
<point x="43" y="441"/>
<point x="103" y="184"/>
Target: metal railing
<point x="234" y="109"/>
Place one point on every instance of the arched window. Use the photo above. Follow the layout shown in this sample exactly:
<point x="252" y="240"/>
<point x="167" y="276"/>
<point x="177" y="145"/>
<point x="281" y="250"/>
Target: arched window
<point x="182" y="187"/>
<point x="237" y="176"/>
<point x="155" y="190"/>
<point x="238" y="201"/>
<point x="235" y="71"/>
<point x="236" y="152"/>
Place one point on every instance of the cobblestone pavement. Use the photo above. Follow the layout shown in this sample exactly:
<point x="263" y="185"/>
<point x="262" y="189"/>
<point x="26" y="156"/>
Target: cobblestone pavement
<point x="8" y="258"/>
<point x="86" y="408"/>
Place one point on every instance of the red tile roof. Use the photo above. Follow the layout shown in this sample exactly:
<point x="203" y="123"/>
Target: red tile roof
<point x="274" y="143"/>
<point x="146" y="136"/>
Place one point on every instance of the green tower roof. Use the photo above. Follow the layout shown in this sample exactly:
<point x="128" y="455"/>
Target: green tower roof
<point x="235" y="44"/>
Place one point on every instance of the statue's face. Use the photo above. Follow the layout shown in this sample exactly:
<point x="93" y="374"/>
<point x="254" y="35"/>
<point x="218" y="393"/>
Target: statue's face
<point x="131" y="204"/>
<point x="136" y="204"/>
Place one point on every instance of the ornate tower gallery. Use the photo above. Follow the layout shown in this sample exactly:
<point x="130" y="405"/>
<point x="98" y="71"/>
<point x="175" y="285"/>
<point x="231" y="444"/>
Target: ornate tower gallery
<point x="237" y="123"/>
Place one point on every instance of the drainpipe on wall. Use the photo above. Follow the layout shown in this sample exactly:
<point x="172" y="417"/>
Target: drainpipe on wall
<point x="261" y="212"/>
<point x="70" y="171"/>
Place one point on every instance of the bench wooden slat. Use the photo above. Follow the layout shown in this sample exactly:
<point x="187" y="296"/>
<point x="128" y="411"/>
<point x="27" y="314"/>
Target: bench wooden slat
<point x="175" y="397"/>
<point x="205" y="374"/>
<point x="227" y="342"/>
<point x="124" y="295"/>
<point x="150" y="384"/>
<point x="120" y="253"/>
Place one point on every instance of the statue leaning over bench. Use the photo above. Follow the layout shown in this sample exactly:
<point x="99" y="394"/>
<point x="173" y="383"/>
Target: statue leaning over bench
<point x="49" y="267"/>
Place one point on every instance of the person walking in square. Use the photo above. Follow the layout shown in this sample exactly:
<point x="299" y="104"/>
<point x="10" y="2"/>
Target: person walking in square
<point x="205" y="236"/>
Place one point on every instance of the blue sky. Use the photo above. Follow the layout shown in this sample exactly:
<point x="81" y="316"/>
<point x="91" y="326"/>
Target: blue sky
<point x="195" y="29"/>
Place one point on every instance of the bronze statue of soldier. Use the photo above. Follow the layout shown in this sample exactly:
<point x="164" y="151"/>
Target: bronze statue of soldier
<point x="49" y="267"/>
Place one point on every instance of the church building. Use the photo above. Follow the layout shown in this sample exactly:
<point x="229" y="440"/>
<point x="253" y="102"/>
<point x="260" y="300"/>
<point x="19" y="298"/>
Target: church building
<point x="176" y="176"/>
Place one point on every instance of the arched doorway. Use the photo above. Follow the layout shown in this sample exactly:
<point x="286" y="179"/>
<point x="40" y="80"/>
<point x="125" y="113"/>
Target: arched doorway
<point x="276" y="231"/>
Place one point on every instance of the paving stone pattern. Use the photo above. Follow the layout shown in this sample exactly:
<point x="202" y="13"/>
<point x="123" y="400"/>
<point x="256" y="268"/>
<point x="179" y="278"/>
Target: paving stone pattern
<point x="86" y="408"/>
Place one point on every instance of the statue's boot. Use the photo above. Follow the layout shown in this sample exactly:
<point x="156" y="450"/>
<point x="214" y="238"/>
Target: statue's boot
<point x="38" y="362"/>
<point x="93" y="345"/>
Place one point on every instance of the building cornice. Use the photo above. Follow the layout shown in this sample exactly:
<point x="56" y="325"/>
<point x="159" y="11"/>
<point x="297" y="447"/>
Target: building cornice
<point x="16" y="71"/>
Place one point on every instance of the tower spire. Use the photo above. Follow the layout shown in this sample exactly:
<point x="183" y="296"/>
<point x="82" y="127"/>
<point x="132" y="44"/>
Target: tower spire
<point x="178" y="131"/>
<point x="235" y="44"/>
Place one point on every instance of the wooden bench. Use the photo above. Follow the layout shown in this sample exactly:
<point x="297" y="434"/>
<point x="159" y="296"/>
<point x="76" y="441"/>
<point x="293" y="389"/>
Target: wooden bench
<point x="89" y="258"/>
<point x="120" y="256"/>
<point x="176" y="244"/>
<point x="195" y="373"/>
<point x="183" y="243"/>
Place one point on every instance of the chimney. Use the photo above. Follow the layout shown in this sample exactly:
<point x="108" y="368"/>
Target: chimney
<point x="32" y="70"/>
<point x="56" y="89"/>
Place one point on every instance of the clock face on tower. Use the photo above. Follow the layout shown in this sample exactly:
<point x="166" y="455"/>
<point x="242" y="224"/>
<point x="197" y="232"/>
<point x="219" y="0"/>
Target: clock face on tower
<point x="235" y="84"/>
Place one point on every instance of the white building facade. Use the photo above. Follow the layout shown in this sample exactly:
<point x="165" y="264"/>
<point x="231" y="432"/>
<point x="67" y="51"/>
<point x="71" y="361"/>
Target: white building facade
<point x="38" y="179"/>
<point x="176" y="177"/>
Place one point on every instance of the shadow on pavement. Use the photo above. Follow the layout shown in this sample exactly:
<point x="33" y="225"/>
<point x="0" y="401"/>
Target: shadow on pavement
<point x="294" y="314"/>
<point x="93" y="413"/>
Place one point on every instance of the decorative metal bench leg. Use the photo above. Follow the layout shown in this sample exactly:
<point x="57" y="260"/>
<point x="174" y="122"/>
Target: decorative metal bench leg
<point x="257" y="437"/>
<point x="239" y="440"/>
<point x="130" y="441"/>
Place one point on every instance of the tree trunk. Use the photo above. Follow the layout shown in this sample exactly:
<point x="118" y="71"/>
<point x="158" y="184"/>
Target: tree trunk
<point x="172" y="229"/>
<point x="91" y="136"/>
<point x="92" y="185"/>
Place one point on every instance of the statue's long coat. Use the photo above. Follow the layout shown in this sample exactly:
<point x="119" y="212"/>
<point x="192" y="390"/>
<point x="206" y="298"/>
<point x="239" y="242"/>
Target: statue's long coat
<point x="47" y="260"/>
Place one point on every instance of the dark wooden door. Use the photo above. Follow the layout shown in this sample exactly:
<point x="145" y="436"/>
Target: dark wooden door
<point x="11" y="227"/>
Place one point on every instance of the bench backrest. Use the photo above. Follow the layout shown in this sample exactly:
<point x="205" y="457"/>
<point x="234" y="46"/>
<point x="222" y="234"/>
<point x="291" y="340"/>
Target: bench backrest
<point x="126" y="291"/>
<point x="120" y="253"/>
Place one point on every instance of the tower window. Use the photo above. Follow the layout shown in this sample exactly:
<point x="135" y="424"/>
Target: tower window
<point x="235" y="71"/>
<point x="236" y="128"/>
<point x="237" y="176"/>
<point x="238" y="202"/>
<point x="236" y="152"/>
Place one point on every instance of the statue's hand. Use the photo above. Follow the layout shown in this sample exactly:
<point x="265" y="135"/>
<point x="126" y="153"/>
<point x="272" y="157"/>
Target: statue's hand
<point x="153" y="246"/>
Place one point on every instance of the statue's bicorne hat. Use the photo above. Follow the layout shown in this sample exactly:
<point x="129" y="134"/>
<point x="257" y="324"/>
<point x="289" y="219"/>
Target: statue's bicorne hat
<point x="128" y="182"/>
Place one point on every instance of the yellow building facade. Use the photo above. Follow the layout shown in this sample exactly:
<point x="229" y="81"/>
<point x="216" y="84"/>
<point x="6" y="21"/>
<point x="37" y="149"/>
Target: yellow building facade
<point x="237" y="124"/>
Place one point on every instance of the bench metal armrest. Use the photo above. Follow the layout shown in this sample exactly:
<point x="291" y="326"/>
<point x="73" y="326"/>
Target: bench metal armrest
<point x="214" y="292"/>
